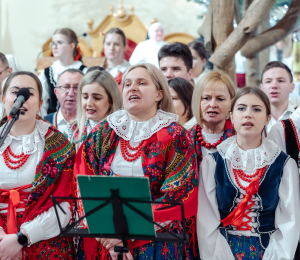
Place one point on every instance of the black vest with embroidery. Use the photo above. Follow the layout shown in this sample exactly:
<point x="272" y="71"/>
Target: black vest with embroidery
<point x="51" y="85"/>
<point x="227" y="193"/>
<point x="291" y="139"/>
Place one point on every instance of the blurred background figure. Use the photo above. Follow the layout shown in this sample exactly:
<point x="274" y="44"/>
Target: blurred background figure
<point x="147" y="51"/>
<point x="199" y="60"/>
<point x="64" y="46"/>
<point x="181" y="93"/>
<point x="114" y="48"/>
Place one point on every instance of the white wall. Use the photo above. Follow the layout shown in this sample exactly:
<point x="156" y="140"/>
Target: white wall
<point x="25" y="25"/>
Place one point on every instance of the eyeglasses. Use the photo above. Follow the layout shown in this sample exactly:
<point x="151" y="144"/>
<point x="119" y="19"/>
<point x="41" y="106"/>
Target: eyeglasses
<point x="57" y="44"/>
<point x="66" y="89"/>
<point x="3" y="70"/>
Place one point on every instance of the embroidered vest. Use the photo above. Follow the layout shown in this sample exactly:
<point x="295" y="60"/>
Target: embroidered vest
<point x="51" y="85"/>
<point x="291" y="139"/>
<point x="227" y="193"/>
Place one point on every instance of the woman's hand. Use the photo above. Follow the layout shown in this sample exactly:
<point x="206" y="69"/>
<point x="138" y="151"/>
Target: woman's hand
<point x="9" y="246"/>
<point x="109" y="243"/>
<point x="114" y="255"/>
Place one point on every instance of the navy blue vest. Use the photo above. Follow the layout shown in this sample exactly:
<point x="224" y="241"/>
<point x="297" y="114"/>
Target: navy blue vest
<point x="227" y="192"/>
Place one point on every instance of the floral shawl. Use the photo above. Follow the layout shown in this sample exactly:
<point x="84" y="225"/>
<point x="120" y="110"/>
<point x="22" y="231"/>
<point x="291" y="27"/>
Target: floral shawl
<point x="54" y="175"/>
<point x="168" y="160"/>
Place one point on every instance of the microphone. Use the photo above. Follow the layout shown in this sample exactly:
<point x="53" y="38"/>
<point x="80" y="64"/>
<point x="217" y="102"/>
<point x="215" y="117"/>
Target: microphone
<point x="22" y="96"/>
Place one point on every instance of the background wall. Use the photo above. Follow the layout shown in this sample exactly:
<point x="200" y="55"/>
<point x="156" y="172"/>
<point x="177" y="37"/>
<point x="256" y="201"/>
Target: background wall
<point x="25" y="25"/>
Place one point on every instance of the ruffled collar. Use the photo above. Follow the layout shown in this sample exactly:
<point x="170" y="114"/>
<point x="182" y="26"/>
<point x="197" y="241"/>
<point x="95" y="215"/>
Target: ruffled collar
<point x="251" y="159"/>
<point x="29" y="142"/>
<point x="127" y="128"/>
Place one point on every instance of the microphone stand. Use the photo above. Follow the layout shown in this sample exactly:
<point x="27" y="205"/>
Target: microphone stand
<point x="8" y="126"/>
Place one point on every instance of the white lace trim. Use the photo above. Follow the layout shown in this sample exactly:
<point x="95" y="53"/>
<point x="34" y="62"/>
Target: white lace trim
<point x="296" y="117"/>
<point x="29" y="142"/>
<point x="251" y="159"/>
<point x="126" y="127"/>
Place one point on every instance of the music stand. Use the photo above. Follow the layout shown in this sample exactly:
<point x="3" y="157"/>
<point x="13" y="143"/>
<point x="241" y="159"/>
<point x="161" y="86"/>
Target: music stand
<point x="120" y="206"/>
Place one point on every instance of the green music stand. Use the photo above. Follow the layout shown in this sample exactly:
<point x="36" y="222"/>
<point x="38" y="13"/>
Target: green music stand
<point x="119" y="207"/>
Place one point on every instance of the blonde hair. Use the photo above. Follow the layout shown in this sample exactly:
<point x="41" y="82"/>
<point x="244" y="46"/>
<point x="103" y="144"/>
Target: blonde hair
<point x="211" y="79"/>
<point x="105" y="80"/>
<point x="160" y="82"/>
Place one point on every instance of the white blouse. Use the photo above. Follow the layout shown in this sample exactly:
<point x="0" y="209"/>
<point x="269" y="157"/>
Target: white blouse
<point x="45" y="225"/>
<point x="58" y="68"/>
<point x="114" y="71"/>
<point x="283" y="241"/>
<point x="135" y="132"/>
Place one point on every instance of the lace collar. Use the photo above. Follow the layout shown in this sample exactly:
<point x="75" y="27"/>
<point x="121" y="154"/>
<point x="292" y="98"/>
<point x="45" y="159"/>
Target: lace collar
<point x="251" y="159"/>
<point x="29" y="142"/>
<point x="127" y="128"/>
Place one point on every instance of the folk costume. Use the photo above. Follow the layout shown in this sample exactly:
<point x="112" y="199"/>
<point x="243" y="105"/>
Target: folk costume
<point x="287" y="113"/>
<point x="250" y="201"/>
<point x="33" y="168"/>
<point x="49" y="79"/>
<point x="159" y="149"/>
<point x="286" y="135"/>
<point x="87" y="129"/>
<point x="118" y="71"/>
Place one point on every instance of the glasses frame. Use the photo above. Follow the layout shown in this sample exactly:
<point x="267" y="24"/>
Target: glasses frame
<point x="75" y="89"/>
<point x="57" y="44"/>
<point x="4" y="70"/>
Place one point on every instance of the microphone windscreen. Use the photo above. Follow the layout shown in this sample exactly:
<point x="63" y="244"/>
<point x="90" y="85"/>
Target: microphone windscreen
<point x="24" y="92"/>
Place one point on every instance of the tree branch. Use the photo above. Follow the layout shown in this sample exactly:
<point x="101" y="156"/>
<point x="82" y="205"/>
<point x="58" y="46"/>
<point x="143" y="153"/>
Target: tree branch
<point x="245" y="29"/>
<point x="285" y="26"/>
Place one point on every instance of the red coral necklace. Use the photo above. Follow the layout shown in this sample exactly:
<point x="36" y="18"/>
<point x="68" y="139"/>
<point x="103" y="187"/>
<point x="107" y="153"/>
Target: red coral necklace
<point x="203" y="143"/>
<point x="22" y="158"/>
<point x="248" y="178"/>
<point x="127" y="155"/>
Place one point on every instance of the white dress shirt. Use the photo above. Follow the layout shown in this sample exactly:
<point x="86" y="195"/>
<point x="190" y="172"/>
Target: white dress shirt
<point x="62" y="123"/>
<point x="43" y="226"/>
<point x="286" y="114"/>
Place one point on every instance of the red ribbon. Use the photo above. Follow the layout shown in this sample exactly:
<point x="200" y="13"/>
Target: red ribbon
<point x="79" y="53"/>
<point x="14" y="197"/>
<point x="235" y="218"/>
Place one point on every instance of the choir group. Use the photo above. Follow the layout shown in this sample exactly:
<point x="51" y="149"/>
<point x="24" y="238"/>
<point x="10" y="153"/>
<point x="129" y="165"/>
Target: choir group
<point x="231" y="157"/>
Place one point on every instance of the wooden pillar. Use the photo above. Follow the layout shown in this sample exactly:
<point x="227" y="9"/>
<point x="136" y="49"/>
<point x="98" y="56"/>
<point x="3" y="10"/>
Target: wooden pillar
<point x="223" y="13"/>
<point x="252" y="64"/>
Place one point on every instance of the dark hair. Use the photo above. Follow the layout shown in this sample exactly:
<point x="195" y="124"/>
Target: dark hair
<point x="117" y="31"/>
<point x="21" y="73"/>
<point x="3" y="60"/>
<point x="199" y="48"/>
<point x="184" y="90"/>
<point x="276" y="64"/>
<point x="71" y="71"/>
<point x="254" y="91"/>
<point x="93" y="68"/>
<point x="72" y="38"/>
<point x="178" y="50"/>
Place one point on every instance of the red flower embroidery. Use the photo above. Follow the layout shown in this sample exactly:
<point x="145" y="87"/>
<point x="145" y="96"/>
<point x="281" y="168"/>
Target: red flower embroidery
<point x="242" y="254"/>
